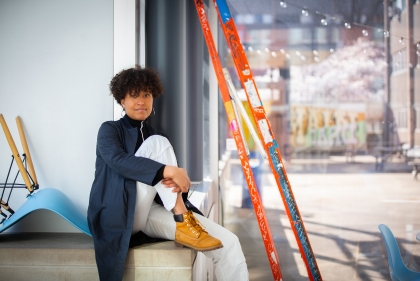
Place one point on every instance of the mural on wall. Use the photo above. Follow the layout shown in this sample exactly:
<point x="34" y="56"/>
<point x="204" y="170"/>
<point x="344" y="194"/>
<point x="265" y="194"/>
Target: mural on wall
<point x="327" y="127"/>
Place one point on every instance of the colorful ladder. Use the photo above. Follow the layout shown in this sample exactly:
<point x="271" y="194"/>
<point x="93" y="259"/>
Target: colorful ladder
<point x="234" y="126"/>
<point x="266" y="135"/>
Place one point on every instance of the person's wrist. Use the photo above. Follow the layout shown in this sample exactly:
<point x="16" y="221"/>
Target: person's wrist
<point x="168" y="172"/>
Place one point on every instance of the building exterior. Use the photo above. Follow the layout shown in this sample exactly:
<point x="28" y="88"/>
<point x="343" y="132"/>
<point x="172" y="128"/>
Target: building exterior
<point x="285" y="42"/>
<point x="403" y="18"/>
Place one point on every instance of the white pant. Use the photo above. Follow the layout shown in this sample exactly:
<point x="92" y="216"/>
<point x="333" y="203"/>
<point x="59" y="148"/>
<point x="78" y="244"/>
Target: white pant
<point x="157" y="221"/>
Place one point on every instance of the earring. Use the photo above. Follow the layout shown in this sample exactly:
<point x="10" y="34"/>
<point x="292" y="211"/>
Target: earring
<point x="122" y="112"/>
<point x="154" y="112"/>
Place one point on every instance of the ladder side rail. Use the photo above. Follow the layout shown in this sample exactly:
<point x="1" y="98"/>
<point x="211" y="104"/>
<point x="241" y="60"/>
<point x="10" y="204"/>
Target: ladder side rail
<point x="235" y="106"/>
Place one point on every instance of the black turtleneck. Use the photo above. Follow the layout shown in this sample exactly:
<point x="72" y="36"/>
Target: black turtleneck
<point x="142" y="131"/>
<point x="143" y="134"/>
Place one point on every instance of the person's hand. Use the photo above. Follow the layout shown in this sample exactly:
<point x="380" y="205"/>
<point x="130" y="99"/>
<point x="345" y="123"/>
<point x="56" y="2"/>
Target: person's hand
<point x="169" y="183"/>
<point x="177" y="178"/>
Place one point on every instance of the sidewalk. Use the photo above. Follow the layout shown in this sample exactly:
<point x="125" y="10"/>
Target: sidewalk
<point x="342" y="205"/>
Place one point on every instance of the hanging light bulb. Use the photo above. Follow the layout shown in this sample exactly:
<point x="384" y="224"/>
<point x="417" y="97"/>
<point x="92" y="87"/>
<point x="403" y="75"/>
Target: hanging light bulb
<point x="259" y="52"/>
<point x="347" y="25"/>
<point x="324" y="21"/>
<point x="386" y="33"/>
<point x="282" y="51"/>
<point x="331" y="50"/>
<point x="266" y="50"/>
<point x="283" y="4"/>
<point x="401" y="40"/>
<point x="288" y="56"/>
<point x="274" y="54"/>
<point x="365" y="32"/>
<point x="250" y="49"/>
<point x="305" y="12"/>
<point x="315" y="52"/>
<point x="316" y="59"/>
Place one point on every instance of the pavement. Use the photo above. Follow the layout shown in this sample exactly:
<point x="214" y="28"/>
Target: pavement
<point x="341" y="204"/>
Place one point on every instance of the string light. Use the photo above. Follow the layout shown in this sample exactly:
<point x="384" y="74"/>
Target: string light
<point x="337" y="20"/>
<point x="347" y="25"/>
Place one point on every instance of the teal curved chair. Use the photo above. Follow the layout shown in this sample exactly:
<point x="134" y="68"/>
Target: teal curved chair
<point x="397" y="268"/>
<point x="53" y="200"/>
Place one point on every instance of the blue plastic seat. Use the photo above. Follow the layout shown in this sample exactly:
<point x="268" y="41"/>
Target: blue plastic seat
<point x="397" y="268"/>
<point x="53" y="200"/>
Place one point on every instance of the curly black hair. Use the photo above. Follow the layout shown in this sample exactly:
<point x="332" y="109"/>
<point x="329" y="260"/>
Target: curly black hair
<point x="133" y="80"/>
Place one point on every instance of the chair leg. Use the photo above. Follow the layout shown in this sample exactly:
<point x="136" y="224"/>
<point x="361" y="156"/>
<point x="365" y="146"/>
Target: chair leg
<point x="415" y="171"/>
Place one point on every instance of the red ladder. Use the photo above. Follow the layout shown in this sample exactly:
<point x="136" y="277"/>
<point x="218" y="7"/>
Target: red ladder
<point x="267" y="137"/>
<point x="234" y="126"/>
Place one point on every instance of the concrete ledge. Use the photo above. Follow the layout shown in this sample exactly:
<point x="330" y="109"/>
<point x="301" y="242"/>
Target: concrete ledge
<point x="70" y="256"/>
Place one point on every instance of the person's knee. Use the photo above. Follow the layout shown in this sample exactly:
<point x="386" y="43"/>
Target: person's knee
<point x="153" y="147"/>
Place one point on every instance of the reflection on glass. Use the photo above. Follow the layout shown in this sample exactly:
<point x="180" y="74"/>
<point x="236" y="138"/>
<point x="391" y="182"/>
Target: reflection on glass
<point x="341" y="89"/>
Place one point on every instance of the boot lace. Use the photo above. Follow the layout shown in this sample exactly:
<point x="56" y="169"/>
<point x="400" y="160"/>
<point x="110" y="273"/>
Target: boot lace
<point x="196" y="224"/>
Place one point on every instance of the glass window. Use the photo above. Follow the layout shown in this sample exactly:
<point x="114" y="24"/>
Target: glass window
<point x="345" y="142"/>
<point x="399" y="60"/>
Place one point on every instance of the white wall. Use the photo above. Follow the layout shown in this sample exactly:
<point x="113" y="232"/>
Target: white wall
<point x="56" y="61"/>
<point x="125" y="39"/>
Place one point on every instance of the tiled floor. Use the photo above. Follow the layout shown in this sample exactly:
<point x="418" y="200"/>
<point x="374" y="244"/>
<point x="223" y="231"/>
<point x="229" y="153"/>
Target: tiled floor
<point x="342" y="205"/>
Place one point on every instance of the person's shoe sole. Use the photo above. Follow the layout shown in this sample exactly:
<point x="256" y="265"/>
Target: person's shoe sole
<point x="179" y="244"/>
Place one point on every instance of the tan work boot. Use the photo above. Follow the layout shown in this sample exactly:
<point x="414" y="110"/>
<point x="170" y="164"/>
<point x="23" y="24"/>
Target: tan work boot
<point x="191" y="234"/>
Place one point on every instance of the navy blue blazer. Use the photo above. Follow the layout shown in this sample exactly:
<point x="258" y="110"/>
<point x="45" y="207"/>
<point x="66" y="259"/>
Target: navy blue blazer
<point x="113" y="194"/>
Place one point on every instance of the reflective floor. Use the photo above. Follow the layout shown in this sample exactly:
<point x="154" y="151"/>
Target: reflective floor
<point x="342" y="205"/>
